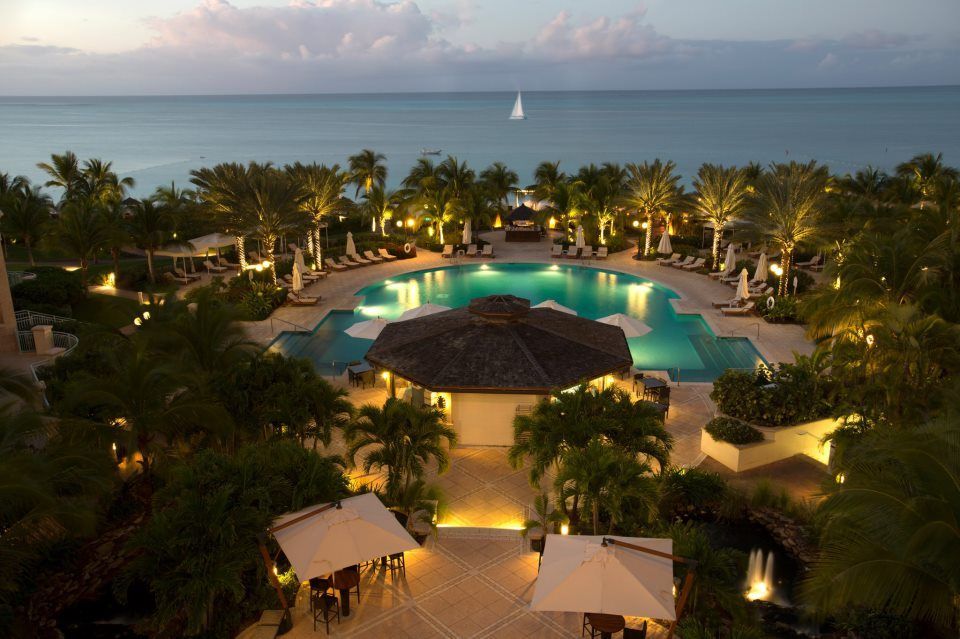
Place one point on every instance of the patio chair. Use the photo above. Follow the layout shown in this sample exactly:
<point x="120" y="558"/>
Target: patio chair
<point x="636" y="633"/>
<point x="346" y="261"/>
<point x="373" y="258"/>
<point x="397" y="563"/>
<point x="213" y="268"/>
<point x="760" y="292"/>
<point x="696" y="264"/>
<point x="602" y="253"/>
<point x="301" y="300"/>
<point x="667" y="261"/>
<point x="733" y="277"/>
<point x="688" y="260"/>
<point x="716" y="275"/>
<point x="587" y="253"/>
<point x="471" y="251"/>
<point x="325" y="609"/>
<point x="225" y="263"/>
<point x="333" y="265"/>
<point x="746" y="309"/>
<point x="447" y="251"/>
<point x="556" y="250"/>
<point x="386" y="255"/>
<point x="571" y="252"/>
<point x="188" y="276"/>
<point x="812" y="262"/>
<point x="359" y="260"/>
<point x="487" y="251"/>
<point x="727" y="303"/>
<point x="175" y="279"/>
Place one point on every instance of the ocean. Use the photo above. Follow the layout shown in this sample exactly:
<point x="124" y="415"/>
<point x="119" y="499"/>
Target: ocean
<point x="157" y="140"/>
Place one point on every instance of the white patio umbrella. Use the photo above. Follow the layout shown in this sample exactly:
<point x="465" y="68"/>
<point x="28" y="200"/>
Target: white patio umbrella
<point x="743" y="286"/>
<point x="761" y="273"/>
<point x="351" y="247"/>
<point x="422" y="311"/>
<point x="555" y="305"/>
<point x="580" y="574"/>
<point x="369" y="329"/>
<point x="297" y="278"/>
<point x="631" y="327"/>
<point x="664" y="246"/>
<point x="467" y="232"/>
<point x="580" y="241"/>
<point x="358" y="529"/>
<point x="298" y="260"/>
<point x="730" y="262"/>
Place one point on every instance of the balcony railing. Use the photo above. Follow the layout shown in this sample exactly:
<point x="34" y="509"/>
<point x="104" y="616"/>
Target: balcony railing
<point x="15" y="277"/>
<point x="28" y="319"/>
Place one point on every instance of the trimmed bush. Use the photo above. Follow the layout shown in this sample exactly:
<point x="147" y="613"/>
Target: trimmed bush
<point x="53" y="288"/>
<point x="787" y="394"/>
<point x="784" y="310"/>
<point x="733" y="431"/>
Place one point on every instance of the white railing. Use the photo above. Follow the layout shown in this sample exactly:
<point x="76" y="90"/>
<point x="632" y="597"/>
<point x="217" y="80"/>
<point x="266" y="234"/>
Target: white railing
<point x="66" y="341"/>
<point x="25" y="341"/>
<point x="28" y="319"/>
<point x="15" y="277"/>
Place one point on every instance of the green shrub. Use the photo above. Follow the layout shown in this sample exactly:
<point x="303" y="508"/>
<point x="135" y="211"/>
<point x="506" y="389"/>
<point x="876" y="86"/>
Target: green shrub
<point x="785" y="310"/>
<point x="733" y="431"/>
<point x="787" y="394"/>
<point x="136" y="276"/>
<point x="805" y="281"/>
<point x="54" y="287"/>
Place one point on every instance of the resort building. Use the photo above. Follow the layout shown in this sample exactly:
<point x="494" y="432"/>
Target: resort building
<point x="494" y="359"/>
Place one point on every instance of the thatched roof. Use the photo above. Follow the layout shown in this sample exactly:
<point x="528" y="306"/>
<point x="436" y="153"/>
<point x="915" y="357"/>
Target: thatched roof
<point x="522" y="213"/>
<point x="499" y="344"/>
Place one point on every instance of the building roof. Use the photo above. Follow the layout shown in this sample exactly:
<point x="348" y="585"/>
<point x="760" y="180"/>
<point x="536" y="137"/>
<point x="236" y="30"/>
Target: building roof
<point x="499" y="344"/>
<point x="522" y="213"/>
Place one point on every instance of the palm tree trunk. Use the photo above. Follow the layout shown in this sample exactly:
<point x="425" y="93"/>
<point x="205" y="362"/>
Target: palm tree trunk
<point x="84" y="263"/>
<point x="268" y="243"/>
<point x="153" y="277"/>
<point x="717" y="232"/>
<point x="595" y="511"/>
<point x="116" y="263"/>
<point x="316" y="244"/>
<point x="29" y="244"/>
<point x="310" y="246"/>
<point x="785" y="261"/>
<point x="646" y="242"/>
<point x="241" y="252"/>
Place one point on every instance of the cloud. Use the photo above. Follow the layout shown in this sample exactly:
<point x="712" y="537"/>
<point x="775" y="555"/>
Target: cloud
<point x="378" y="45"/>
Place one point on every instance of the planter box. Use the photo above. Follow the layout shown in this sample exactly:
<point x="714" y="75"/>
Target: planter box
<point x="778" y="444"/>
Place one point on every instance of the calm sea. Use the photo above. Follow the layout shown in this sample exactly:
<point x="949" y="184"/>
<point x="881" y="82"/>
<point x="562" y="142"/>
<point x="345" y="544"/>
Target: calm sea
<point x="159" y="139"/>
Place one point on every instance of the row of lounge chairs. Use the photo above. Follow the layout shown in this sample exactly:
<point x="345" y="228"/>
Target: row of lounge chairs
<point x="470" y="251"/>
<point x="689" y="263"/>
<point x="572" y="252"/>
<point x="356" y="260"/>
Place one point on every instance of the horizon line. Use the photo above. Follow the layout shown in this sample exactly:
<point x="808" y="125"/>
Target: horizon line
<point x="489" y="92"/>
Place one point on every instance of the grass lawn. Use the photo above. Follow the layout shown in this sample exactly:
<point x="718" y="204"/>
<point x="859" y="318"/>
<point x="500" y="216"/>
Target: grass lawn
<point x="115" y="312"/>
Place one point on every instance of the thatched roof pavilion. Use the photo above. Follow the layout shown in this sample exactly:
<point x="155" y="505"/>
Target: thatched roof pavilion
<point x="522" y="213"/>
<point x="498" y="344"/>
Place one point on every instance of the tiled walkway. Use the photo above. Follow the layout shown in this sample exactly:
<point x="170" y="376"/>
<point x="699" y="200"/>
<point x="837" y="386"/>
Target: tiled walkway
<point x="461" y="584"/>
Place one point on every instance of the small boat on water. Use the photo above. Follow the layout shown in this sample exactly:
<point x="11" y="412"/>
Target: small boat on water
<point x="426" y="151"/>
<point x="517" y="113"/>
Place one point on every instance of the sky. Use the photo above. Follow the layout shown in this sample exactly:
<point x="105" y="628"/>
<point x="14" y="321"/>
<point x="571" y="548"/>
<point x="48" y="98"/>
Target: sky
<point x="143" y="47"/>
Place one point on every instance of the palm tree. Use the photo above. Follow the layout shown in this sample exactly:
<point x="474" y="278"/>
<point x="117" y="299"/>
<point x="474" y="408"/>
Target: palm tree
<point x="151" y="228"/>
<point x="99" y="182"/>
<point x="787" y="210"/>
<point x="653" y="190"/>
<point x="890" y="539"/>
<point x="499" y="181"/>
<point x="272" y="201"/>
<point x="456" y="176"/>
<point x="421" y="174"/>
<point x="322" y="187"/>
<point x="401" y="439"/>
<point x="367" y="169"/>
<point x="563" y="202"/>
<point x="380" y="204"/>
<point x="26" y="218"/>
<point x="439" y="204"/>
<point x="547" y="176"/>
<point x="721" y="197"/>
<point x="178" y="203"/>
<point x="221" y="190"/>
<point x="64" y="171"/>
<point x="924" y="171"/>
<point x="479" y="206"/>
<point x="600" y="191"/>
<point x="81" y="231"/>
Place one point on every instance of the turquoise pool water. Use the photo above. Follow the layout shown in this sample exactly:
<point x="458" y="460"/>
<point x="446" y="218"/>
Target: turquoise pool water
<point x="676" y="341"/>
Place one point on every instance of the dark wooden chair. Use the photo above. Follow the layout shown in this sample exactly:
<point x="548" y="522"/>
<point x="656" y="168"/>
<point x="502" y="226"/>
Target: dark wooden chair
<point x="319" y="586"/>
<point x="397" y="563"/>
<point x="586" y="626"/>
<point x="325" y="608"/>
<point x="636" y="633"/>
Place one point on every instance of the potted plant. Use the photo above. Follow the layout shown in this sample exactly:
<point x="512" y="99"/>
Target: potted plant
<point x="547" y="518"/>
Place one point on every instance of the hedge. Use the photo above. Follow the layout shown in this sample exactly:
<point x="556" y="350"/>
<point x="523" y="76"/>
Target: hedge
<point x="733" y="431"/>
<point x="787" y="394"/>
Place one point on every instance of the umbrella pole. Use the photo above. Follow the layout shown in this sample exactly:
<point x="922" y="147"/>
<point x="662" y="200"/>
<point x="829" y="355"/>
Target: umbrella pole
<point x="684" y="594"/>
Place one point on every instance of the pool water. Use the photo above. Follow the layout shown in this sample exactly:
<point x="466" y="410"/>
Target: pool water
<point x="677" y="341"/>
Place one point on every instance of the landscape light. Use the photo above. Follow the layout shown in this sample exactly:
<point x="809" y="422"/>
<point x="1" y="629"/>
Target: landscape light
<point x="776" y="270"/>
<point x="564" y="529"/>
<point x="266" y="264"/>
<point x="399" y="223"/>
<point x="644" y="225"/>
<point x="137" y="321"/>
<point x="146" y="315"/>
<point x="636" y="224"/>
<point x="410" y="222"/>
<point x="385" y="375"/>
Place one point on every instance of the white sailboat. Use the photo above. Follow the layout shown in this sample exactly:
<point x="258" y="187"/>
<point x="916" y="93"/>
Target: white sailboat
<point x="517" y="113"/>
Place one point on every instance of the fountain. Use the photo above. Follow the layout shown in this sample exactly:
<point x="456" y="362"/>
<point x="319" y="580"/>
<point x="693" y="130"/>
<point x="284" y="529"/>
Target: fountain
<point x="760" y="576"/>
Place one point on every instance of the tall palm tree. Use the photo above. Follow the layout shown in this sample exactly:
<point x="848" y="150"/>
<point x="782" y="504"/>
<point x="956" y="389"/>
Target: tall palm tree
<point x="479" y="206"/>
<point x="272" y="201"/>
<point x="81" y="231"/>
<point x="924" y="171"/>
<point x="65" y="173"/>
<point x="179" y="203"/>
<point x="890" y="538"/>
<point x="721" y="197"/>
<point x="221" y="190"/>
<point x="400" y="439"/>
<point x="101" y="183"/>
<point x="653" y="189"/>
<point x="422" y="173"/>
<point x="322" y="188"/>
<point x="439" y="204"/>
<point x="27" y="217"/>
<point x="600" y="191"/>
<point x="151" y="228"/>
<point x="367" y="169"/>
<point x="499" y="181"/>
<point x="456" y="176"/>
<point x="547" y="176"/>
<point x="564" y="201"/>
<point x="787" y="210"/>
<point x="380" y="205"/>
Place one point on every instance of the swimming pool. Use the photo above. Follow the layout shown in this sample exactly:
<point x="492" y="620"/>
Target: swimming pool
<point x="677" y="341"/>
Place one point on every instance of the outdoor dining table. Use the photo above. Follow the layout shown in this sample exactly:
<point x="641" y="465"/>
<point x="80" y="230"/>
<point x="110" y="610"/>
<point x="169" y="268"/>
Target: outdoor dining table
<point x="606" y="624"/>
<point x="345" y="581"/>
<point x="356" y="371"/>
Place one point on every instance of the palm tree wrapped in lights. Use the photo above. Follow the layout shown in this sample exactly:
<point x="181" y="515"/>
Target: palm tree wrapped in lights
<point x="721" y="197"/>
<point x="653" y="190"/>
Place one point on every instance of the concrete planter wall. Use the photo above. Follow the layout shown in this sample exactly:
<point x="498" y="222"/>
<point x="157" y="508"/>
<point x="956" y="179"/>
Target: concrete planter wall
<point x="778" y="444"/>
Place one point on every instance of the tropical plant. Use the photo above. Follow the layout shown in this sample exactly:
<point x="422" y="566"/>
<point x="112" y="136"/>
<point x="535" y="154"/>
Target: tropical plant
<point x="653" y="189"/>
<point x="367" y="169"/>
<point x="455" y="176"/>
<point x="721" y="196"/>
<point x="222" y="192"/>
<point x="923" y="172"/>
<point x="733" y="431"/>
<point x="380" y="205"/>
<point x="322" y="188"/>
<point x="272" y="202"/>
<point x="100" y="183"/>
<point x="547" y="516"/>
<point x="151" y="227"/>
<point x="600" y="190"/>
<point x="81" y="231"/>
<point x="65" y="173"/>
<point x="498" y="181"/>
<point x="26" y="217"/>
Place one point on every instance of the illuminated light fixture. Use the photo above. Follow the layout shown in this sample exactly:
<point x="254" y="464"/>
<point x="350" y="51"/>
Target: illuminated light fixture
<point x="258" y="268"/>
<point x="110" y="280"/>
<point x="385" y="375"/>
<point x="146" y="315"/>
<point x="840" y="478"/>
<point x="564" y="529"/>
<point x="71" y="269"/>
<point x="554" y="268"/>
<point x="399" y="224"/>
<point x="410" y="222"/>
<point x="430" y="231"/>
<point x="484" y="267"/>
<point x="266" y="264"/>
<point x="776" y="270"/>
<point x="137" y="321"/>
<point x="636" y="224"/>
<point x="870" y="340"/>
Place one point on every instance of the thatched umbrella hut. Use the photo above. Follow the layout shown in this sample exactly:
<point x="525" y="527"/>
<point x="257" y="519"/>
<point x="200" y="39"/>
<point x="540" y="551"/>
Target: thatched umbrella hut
<point x="494" y="359"/>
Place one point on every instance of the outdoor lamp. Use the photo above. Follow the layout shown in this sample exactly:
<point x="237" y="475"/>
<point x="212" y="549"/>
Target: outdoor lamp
<point x="146" y="315"/>
<point x="137" y="321"/>
<point x="564" y="529"/>
<point x="399" y="223"/>
<point x="644" y="225"/>
<point x="410" y="222"/>
<point x="266" y="264"/>
<point x="776" y="270"/>
<point x="636" y="224"/>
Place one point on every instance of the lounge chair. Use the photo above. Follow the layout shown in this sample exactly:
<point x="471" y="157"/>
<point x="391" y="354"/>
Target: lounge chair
<point x="301" y="300"/>
<point x="746" y="309"/>
<point x="254" y="257"/>
<point x="688" y="260"/>
<point x="333" y="265"/>
<point x="571" y="252"/>
<point x="602" y="253"/>
<point x="175" y="279"/>
<point x="696" y="264"/>
<point x="346" y="261"/>
<point x="734" y="277"/>
<point x="373" y="258"/>
<point x="587" y="253"/>
<point x="213" y="268"/>
<point x="811" y="263"/>
<point x="447" y="251"/>
<point x="359" y="260"/>
<point x="716" y="275"/>
<point x="293" y="247"/>
<point x="487" y="250"/>
<point x="667" y="261"/>
<point x="761" y="292"/>
<point x="386" y="255"/>
<point x="727" y="303"/>
<point x="188" y="276"/>
<point x="225" y="263"/>
<point x="556" y="250"/>
<point x="471" y="251"/>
